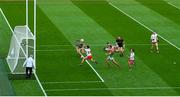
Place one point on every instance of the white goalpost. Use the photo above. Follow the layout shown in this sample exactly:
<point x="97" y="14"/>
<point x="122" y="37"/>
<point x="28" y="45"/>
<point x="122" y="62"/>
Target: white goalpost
<point x="23" y="44"/>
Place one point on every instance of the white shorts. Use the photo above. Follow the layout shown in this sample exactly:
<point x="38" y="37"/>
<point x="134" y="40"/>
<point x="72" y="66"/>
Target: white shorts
<point x="110" y="58"/>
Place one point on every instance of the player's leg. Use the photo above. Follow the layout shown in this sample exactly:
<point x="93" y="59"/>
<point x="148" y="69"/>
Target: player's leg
<point x="121" y="51"/>
<point x="107" y="62"/>
<point x="116" y="63"/>
<point x="27" y="72"/>
<point x="30" y="72"/>
<point x="157" y="48"/>
<point x="83" y="60"/>
<point x="78" y="50"/>
<point x="130" y="65"/>
<point x="93" y="60"/>
<point x="152" y="47"/>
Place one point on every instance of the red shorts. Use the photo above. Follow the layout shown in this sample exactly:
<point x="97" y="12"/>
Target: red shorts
<point x="89" y="57"/>
<point x="130" y="62"/>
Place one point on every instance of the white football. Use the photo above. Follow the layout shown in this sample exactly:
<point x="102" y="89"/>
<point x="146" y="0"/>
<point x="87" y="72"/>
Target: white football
<point x="82" y="40"/>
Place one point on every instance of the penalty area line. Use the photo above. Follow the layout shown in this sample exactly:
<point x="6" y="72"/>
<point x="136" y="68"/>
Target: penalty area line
<point x="72" y="82"/>
<point x="92" y="89"/>
<point x="142" y="24"/>
<point x="99" y="45"/>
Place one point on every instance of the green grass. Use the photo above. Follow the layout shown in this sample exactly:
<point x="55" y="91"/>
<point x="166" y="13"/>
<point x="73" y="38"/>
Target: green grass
<point x="91" y="19"/>
<point x="26" y="88"/>
<point x="150" y="18"/>
<point x="159" y="6"/>
<point x="6" y="89"/>
<point x="61" y="22"/>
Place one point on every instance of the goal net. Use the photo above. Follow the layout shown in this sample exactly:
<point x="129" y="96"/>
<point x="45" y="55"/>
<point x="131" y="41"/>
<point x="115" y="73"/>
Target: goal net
<point x="21" y="21"/>
<point x="22" y="45"/>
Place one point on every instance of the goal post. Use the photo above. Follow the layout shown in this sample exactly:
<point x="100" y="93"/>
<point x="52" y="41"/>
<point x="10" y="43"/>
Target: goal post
<point x="23" y="42"/>
<point x="18" y="47"/>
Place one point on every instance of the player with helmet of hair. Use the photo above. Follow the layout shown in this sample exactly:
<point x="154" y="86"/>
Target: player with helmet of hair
<point x="80" y="46"/>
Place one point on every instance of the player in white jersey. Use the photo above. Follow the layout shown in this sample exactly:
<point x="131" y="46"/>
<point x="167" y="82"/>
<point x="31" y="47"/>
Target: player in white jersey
<point x="154" y="41"/>
<point x="88" y="55"/>
<point x="131" y="60"/>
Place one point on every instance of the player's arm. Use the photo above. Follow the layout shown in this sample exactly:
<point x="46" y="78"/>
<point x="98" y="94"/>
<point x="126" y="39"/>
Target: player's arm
<point x="151" y="38"/>
<point x="124" y="45"/>
<point x="157" y="39"/>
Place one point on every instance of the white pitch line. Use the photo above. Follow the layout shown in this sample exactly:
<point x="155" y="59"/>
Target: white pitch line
<point x="21" y="47"/>
<point x="73" y="82"/>
<point x="143" y="25"/>
<point x="97" y="45"/>
<point x="44" y="92"/>
<point x="173" y="5"/>
<point x="95" y="71"/>
<point x="60" y="50"/>
<point x="91" y="89"/>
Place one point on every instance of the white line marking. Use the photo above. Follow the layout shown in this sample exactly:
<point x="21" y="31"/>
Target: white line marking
<point x="34" y="73"/>
<point x="95" y="71"/>
<point x="44" y="92"/>
<point x="78" y="82"/>
<point x="91" y="89"/>
<point x="60" y="50"/>
<point x="143" y="25"/>
<point x="97" y="45"/>
<point x="173" y="5"/>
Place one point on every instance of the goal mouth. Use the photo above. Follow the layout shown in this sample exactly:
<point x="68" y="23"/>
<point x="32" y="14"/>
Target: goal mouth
<point x="22" y="45"/>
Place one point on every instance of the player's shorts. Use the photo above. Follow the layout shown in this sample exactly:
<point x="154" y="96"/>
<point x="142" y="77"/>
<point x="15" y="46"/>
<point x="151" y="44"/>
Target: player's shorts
<point x="130" y="62"/>
<point x="110" y="58"/>
<point x="89" y="57"/>
<point x="120" y="45"/>
<point x="154" y="42"/>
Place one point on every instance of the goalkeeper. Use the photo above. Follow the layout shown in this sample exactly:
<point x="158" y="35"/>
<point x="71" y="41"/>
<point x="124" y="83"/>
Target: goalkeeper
<point x="79" y="44"/>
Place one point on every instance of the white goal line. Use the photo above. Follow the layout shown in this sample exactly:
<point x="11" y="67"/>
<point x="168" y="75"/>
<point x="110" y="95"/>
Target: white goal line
<point x="72" y="82"/>
<point x="128" y="88"/>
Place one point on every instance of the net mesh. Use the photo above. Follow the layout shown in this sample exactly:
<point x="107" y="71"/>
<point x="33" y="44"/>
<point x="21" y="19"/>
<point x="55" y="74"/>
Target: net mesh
<point x="22" y="45"/>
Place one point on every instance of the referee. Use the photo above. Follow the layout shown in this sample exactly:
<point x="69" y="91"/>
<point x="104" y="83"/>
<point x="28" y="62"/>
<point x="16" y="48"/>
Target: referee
<point x="29" y="64"/>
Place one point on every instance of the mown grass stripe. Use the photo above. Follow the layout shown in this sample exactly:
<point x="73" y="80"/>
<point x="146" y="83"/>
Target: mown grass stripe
<point x="143" y="25"/>
<point x="163" y="8"/>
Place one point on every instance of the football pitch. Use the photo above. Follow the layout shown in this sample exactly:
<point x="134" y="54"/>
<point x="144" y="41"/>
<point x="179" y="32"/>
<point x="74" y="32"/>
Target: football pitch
<point x="61" y="22"/>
